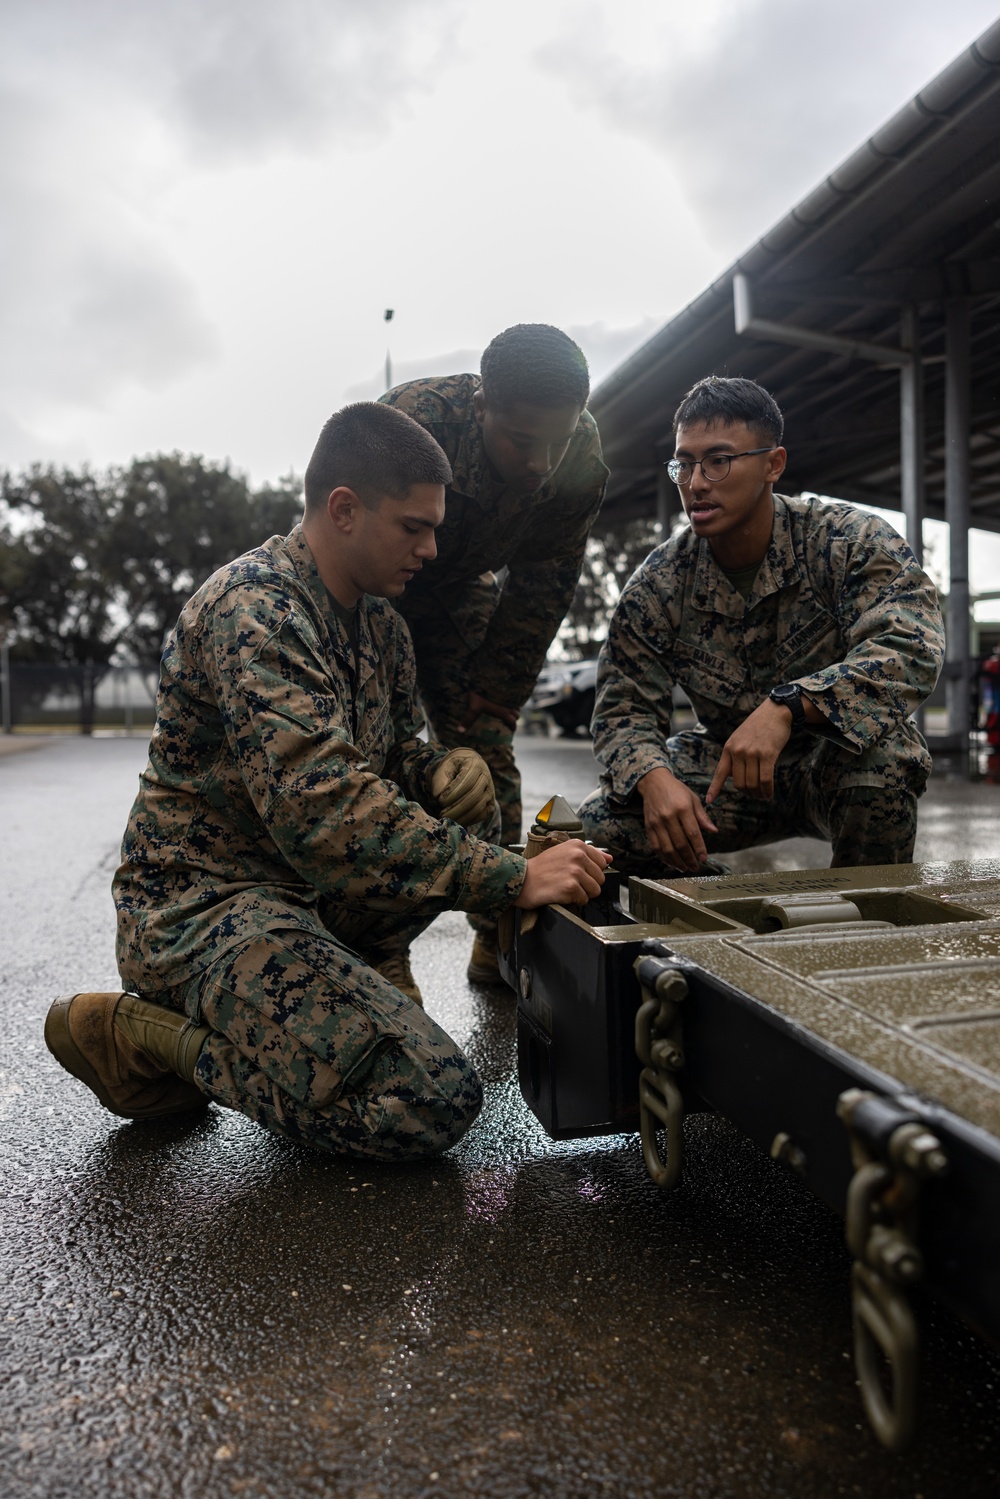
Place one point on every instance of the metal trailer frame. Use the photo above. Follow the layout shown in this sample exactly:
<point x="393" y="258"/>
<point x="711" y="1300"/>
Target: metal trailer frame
<point x="623" y="1025"/>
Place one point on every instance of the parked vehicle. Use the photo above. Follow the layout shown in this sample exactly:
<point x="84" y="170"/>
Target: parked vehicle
<point x="565" y="693"/>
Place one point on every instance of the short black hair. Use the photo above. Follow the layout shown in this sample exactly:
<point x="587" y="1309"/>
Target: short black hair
<point x="376" y="451"/>
<point x="720" y="399"/>
<point x="537" y="364"/>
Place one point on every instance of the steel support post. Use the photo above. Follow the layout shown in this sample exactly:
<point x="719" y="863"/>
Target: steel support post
<point x="666" y="502"/>
<point x="958" y="665"/>
<point x="911" y="433"/>
<point x="6" y="717"/>
<point x="911" y="443"/>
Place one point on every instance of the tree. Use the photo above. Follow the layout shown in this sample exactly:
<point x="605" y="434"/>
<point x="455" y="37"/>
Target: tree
<point x="96" y="568"/>
<point x="176" y="519"/>
<point x="611" y="558"/>
<point x="277" y="507"/>
<point x="55" y="589"/>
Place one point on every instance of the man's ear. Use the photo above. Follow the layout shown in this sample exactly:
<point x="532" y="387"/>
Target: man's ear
<point x="342" y="506"/>
<point x="479" y="406"/>
<point x="776" y="465"/>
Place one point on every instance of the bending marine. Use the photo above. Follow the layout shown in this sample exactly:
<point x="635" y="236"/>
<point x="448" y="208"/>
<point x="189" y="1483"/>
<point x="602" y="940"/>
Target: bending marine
<point x="527" y="483"/>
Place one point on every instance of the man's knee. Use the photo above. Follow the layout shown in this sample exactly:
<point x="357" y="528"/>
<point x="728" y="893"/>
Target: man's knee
<point x="592" y="812"/>
<point x="421" y="1100"/>
<point x="872" y="806"/>
<point x="873" y="825"/>
<point x="616" y="825"/>
<point x="311" y="1042"/>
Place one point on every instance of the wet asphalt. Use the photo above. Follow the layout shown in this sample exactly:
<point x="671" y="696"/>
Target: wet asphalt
<point x="196" y="1308"/>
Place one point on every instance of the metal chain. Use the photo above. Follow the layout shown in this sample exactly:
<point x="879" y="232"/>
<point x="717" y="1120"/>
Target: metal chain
<point x="658" y="1046"/>
<point x="881" y="1228"/>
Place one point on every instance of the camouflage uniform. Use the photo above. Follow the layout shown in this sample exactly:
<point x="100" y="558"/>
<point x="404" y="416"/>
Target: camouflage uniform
<point x="278" y="849"/>
<point x="471" y="631"/>
<point x="840" y="606"/>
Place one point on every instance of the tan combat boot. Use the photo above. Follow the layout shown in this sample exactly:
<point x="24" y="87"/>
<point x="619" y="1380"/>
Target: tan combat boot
<point x="137" y="1057"/>
<point x="396" y="970"/>
<point x="483" y="966"/>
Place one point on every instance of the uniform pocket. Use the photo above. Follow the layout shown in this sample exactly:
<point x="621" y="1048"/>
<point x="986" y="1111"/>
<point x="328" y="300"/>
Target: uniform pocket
<point x="302" y="1009"/>
<point x="702" y="674"/>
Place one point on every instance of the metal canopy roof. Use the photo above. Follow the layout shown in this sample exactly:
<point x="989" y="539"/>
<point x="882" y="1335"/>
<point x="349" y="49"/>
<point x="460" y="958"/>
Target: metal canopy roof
<point x="911" y="219"/>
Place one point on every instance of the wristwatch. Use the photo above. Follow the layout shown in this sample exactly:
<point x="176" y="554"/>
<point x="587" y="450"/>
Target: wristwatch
<point x="789" y="695"/>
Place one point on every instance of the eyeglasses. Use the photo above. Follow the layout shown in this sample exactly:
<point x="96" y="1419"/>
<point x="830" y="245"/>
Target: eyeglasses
<point x="714" y="467"/>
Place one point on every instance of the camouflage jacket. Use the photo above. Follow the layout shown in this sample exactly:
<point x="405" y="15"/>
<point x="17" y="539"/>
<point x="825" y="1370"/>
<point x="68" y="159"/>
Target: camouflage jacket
<point x="839" y="606"/>
<point x="279" y="778"/>
<point x="540" y="538"/>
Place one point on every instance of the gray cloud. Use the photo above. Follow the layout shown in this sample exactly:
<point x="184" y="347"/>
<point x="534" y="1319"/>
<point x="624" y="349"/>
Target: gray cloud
<point x="604" y="347"/>
<point x="458" y="362"/>
<point x="781" y="93"/>
<point x="104" y="106"/>
<point x="238" y="78"/>
<point x="91" y="301"/>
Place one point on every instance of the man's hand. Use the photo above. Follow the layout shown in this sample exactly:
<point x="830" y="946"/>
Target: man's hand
<point x="478" y="704"/>
<point x="463" y="787"/>
<point x="750" y="754"/>
<point x="569" y="873"/>
<point x="675" y="819"/>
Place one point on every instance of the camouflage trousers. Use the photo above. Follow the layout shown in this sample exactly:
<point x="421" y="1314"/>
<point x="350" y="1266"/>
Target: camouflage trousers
<point x="866" y="805"/>
<point x="311" y="1042"/>
<point x="445" y="645"/>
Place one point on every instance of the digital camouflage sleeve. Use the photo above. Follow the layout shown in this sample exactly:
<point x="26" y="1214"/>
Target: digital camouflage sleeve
<point x="276" y="780"/>
<point x="539" y="538"/>
<point x="839" y="606"/>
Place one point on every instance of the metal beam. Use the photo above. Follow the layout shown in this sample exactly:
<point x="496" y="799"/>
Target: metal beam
<point x="806" y="338"/>
<point x="957" y="476"/>
<point x="944" y="279"/>
<point x="911" y="433"/>
<point x="666" y="502"/>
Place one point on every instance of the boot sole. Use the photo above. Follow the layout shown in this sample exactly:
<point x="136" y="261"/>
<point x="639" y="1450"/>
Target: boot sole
<point x="59" y="1040"/>
<point x="485" y="975"/>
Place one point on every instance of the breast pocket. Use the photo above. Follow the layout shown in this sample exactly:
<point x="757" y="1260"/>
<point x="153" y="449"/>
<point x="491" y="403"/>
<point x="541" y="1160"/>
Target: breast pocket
<point x="707" y="677"/>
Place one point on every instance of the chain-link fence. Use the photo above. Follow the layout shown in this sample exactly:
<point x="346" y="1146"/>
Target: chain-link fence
<point x="41" y="696"/>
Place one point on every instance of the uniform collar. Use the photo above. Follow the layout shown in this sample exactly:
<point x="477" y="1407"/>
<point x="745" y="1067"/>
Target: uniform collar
<point x="779" y="569"/>
<point x="470" y="468"/>
<point x="305" y="565"/>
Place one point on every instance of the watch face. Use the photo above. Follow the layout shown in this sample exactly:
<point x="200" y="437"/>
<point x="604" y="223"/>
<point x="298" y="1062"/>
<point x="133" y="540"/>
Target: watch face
<point x="789" y="695"/>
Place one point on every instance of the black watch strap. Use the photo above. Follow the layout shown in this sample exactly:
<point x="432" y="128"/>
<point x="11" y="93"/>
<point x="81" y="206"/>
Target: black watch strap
<point x="789" y="695"/>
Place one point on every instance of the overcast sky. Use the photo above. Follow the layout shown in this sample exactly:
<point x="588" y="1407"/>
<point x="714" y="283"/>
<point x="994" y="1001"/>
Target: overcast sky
<point x="207" y="204"/>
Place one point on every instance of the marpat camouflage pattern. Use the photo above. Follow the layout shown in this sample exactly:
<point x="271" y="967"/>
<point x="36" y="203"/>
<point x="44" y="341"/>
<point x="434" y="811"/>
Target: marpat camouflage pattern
<point x="280" y="820"/>
<point x="471" y="633"/>
<point x="839" y="606"/>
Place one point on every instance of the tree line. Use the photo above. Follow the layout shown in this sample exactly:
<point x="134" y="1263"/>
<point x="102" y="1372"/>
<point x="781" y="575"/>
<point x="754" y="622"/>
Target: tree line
<point x="96" y="566"/>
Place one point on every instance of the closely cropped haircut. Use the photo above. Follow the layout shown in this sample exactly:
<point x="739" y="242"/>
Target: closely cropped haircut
<point x="376" y="451"/>
<point x="718" y="400"/>
<point x="537" y="364"/>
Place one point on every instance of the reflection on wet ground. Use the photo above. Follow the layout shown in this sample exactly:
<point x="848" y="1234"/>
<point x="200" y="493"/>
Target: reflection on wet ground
<point x="199" y="1309"/>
